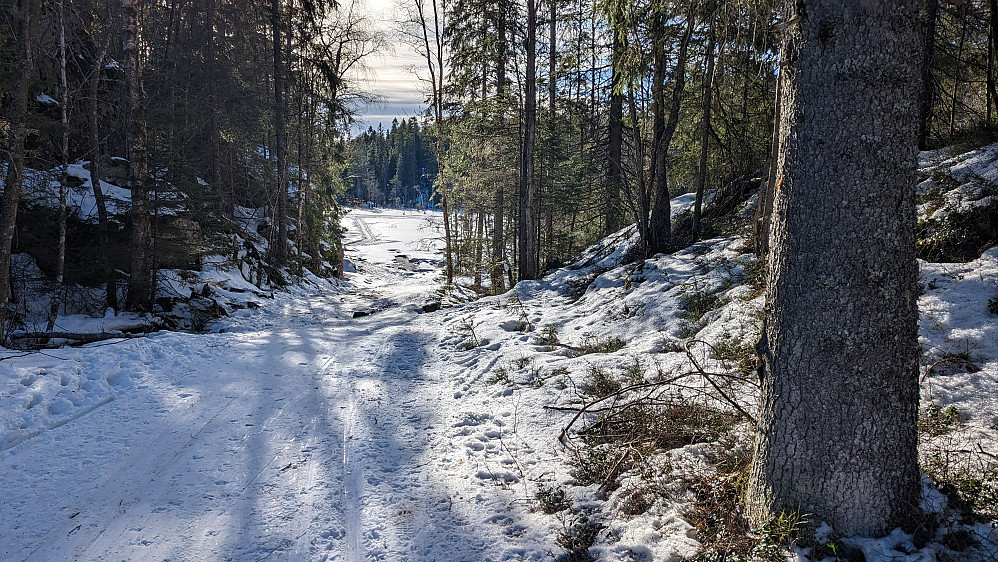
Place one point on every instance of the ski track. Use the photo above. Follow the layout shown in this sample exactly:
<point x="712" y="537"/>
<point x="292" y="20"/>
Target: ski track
<point x="308" y="442"/>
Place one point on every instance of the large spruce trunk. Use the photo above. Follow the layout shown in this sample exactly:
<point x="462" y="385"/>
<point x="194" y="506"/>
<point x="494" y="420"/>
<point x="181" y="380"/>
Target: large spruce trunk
<point x="837" y="421"/>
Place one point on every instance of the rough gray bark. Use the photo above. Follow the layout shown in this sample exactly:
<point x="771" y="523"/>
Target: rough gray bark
<point x="836" y="436"/>
<point x="23" y="17"/>
<point x="140" y="289"/>
<point x="528" y="184"/>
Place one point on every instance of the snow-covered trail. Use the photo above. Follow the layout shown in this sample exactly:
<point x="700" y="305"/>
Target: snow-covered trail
<point x="298" y="432"/>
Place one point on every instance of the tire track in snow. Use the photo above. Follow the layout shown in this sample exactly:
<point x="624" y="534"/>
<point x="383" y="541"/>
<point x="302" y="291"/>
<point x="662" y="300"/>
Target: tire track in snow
<point x="127" y="482"/>
<point x="303" y="524"/>
<point x="367" y="236"/>
<point x="352" y="485"/>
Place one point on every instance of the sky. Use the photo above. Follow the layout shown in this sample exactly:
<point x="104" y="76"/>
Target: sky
<point x="391" y="74"/>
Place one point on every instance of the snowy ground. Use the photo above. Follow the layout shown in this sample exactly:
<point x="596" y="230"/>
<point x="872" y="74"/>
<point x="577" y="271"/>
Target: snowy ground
<point x="299" y="431"/>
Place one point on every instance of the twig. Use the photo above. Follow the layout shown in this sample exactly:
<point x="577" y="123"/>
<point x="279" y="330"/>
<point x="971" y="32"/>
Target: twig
<point x="707" y="376"/>
<point x="588" y="407"/>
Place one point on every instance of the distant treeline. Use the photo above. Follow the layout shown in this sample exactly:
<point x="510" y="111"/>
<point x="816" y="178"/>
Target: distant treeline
<point x="393" y="167"/>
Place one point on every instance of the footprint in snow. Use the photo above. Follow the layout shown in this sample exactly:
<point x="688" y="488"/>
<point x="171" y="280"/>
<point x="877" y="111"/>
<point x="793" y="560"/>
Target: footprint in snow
<point x="33" y="401"/>
<point x="500" y="520"/>
<point x="473" y="419"/>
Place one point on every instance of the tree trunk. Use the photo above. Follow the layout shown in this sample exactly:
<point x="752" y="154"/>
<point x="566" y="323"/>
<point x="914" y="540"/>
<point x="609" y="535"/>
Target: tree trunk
<point x="836" y="439"/>
<point x="528" y="188"/>
<point x="498" y="242"/>
<point x="643" y="197"/>
<point x="992" y="37"/>
<point x="764" y="209"/>
<point x="110" y="277"/>
<point x="548" y="196"/>
<point x="24" y="16"/>
<point x="300" y="203"/>
<point x="479" y="228"/>
<point x="438" y="28"/>
<point x="954" y="99"/>
<point x="612" y="210"/>
<point x="140" y="290"/>
<point x="213" y="130"/>
<point x="708" y="90"/>
<point x="434" y="56"/>
<point x="660" y="221"/>
<point x="928" y="83"/>
<point x="498" y="202"/>
<point x="279" y="252"/>
<point x="64" y="176"/>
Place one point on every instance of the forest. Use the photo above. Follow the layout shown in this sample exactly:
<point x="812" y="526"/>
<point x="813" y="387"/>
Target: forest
<point x="560" y="122"/>
<point x="553" y="126"/>
<point x="197" y="109"/>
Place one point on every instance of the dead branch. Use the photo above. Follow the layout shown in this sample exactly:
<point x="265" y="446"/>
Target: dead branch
<point x="45" y="340"/>
<point x="710" y="379"/>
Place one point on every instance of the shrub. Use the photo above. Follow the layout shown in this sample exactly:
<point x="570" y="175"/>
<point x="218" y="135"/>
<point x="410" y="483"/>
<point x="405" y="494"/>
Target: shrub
<point x="935" y="421"/>
<point x="552" y="499"/>
<point x="968" y="478"/>
<point x="599" y="383"/>
<point x="500" y="375"/>
<point x="742" y="354"/>
<point x="577" y="538"/>
<point x="696" y="303"/>
<point x="515" y="307"/>
<point x="598" y="344"/>
<point x="623" y="435"/>
<point x="548" y="336"/>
